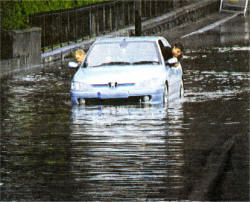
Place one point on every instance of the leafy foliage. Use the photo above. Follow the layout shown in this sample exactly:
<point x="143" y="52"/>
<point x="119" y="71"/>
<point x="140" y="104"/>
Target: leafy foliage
<point x="15" y="14"/>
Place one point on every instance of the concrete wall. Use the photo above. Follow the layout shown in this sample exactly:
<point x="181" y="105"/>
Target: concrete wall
<point x="24" y="51"/>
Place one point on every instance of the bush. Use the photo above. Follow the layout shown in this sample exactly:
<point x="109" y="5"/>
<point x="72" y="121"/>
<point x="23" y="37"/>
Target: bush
<point x="15" y="14"/>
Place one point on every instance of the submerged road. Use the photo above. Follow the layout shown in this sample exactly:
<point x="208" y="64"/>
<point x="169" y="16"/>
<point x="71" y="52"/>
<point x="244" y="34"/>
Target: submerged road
<point x="197" y="148"/>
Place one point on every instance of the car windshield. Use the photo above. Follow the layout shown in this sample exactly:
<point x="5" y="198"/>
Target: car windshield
<point x="123" y="53"/>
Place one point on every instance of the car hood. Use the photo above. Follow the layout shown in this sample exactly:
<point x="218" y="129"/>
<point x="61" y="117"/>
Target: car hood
<point x="120" y="74"/>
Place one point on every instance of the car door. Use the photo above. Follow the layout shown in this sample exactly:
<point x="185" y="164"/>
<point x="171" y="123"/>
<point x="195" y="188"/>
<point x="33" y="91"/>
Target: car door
<point x="174" y="74"/>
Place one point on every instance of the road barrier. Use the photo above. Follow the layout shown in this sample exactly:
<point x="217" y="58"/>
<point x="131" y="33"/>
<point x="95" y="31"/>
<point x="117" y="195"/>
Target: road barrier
<point x="63" y="27"/>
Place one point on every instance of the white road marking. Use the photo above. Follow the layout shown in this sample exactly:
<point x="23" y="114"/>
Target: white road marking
<point x="211" y="26"/>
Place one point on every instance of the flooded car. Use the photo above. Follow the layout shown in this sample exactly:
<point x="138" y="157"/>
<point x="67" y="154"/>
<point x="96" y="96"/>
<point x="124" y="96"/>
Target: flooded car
<point x="126" y="68"/>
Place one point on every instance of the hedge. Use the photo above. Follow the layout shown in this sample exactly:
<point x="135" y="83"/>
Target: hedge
<point x="15" y="14"/>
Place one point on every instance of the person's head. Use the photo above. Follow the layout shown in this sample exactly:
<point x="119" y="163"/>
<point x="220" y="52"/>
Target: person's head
<point x="177" y="50"/>
<point x="80" y="55"/>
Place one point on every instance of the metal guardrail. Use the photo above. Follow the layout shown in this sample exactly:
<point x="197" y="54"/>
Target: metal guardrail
<point x="62" y="27"/>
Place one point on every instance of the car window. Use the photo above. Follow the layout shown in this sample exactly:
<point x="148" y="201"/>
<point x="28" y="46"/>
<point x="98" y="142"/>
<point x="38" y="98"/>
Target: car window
<point x="136" y="52"/>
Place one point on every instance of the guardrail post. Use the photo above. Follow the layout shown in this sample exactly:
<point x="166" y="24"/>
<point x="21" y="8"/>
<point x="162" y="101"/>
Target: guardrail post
<point x="103" y="18"/>
<point x="150" y="8"/>
<point x="43" y="32"/>
<point x="68" y="30"/>
<point x="123" y="14"/>
<point x="138" y="6"/>
<point x="110" y="19"/>
<point x="113" y="17"/>
<point x="61" y="29"/>
<point x="97" y="21"/>
<point x="90" y="22"/>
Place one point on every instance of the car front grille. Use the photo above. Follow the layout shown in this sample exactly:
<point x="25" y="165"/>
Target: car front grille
<point x="114" y="101"/>
<point x="113" y="85"/>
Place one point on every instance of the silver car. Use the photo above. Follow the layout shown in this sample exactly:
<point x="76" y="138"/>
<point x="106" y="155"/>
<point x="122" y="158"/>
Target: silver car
<point x="126" y="68"/>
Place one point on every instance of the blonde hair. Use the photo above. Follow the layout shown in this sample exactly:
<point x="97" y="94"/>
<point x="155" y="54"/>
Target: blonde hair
<point x="79" y="55"/>
<point x="80" y="52"/>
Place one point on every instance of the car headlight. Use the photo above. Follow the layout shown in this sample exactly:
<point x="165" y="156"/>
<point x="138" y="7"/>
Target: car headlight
<point x="75" y="85"/>
<point x="150" y="83"/>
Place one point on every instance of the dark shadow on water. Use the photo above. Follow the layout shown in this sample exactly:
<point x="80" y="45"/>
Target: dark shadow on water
<point x="212" y="127"/>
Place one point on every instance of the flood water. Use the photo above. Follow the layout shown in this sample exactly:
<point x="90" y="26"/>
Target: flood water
<point x="195" y="148"/>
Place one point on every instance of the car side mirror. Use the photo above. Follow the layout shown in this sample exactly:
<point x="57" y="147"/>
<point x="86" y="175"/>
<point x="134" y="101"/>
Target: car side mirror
<point x="172" y="62"/>
<point x="73" y="65"/>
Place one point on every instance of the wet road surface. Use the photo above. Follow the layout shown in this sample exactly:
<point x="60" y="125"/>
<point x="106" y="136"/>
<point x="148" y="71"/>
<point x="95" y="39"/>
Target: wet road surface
<point x="195" y="148"/>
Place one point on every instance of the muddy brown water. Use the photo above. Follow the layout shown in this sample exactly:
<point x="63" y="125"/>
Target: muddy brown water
<point x="51" y="150"/>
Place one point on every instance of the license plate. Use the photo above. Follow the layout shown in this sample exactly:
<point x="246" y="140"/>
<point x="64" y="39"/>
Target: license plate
<point x="112" y="94"/>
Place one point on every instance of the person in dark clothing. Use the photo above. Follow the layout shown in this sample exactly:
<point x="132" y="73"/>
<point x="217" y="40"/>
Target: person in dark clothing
<point x="175" y="53"/>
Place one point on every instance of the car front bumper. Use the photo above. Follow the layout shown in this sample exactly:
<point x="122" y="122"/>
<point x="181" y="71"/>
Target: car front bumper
<point x="156" y="95"/>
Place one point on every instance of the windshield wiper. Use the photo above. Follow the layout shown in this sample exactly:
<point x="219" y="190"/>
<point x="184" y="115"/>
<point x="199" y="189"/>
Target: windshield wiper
<point x="113" y="63"/>
<point x="145" y="62"/>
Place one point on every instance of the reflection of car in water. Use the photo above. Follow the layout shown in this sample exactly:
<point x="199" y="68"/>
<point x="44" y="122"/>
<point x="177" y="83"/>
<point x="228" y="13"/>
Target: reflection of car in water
<point x="126" y="68"/>
<point x="132" y="152"/>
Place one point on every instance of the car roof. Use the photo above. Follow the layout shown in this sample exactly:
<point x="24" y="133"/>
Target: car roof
<point x="120" y="39"/>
